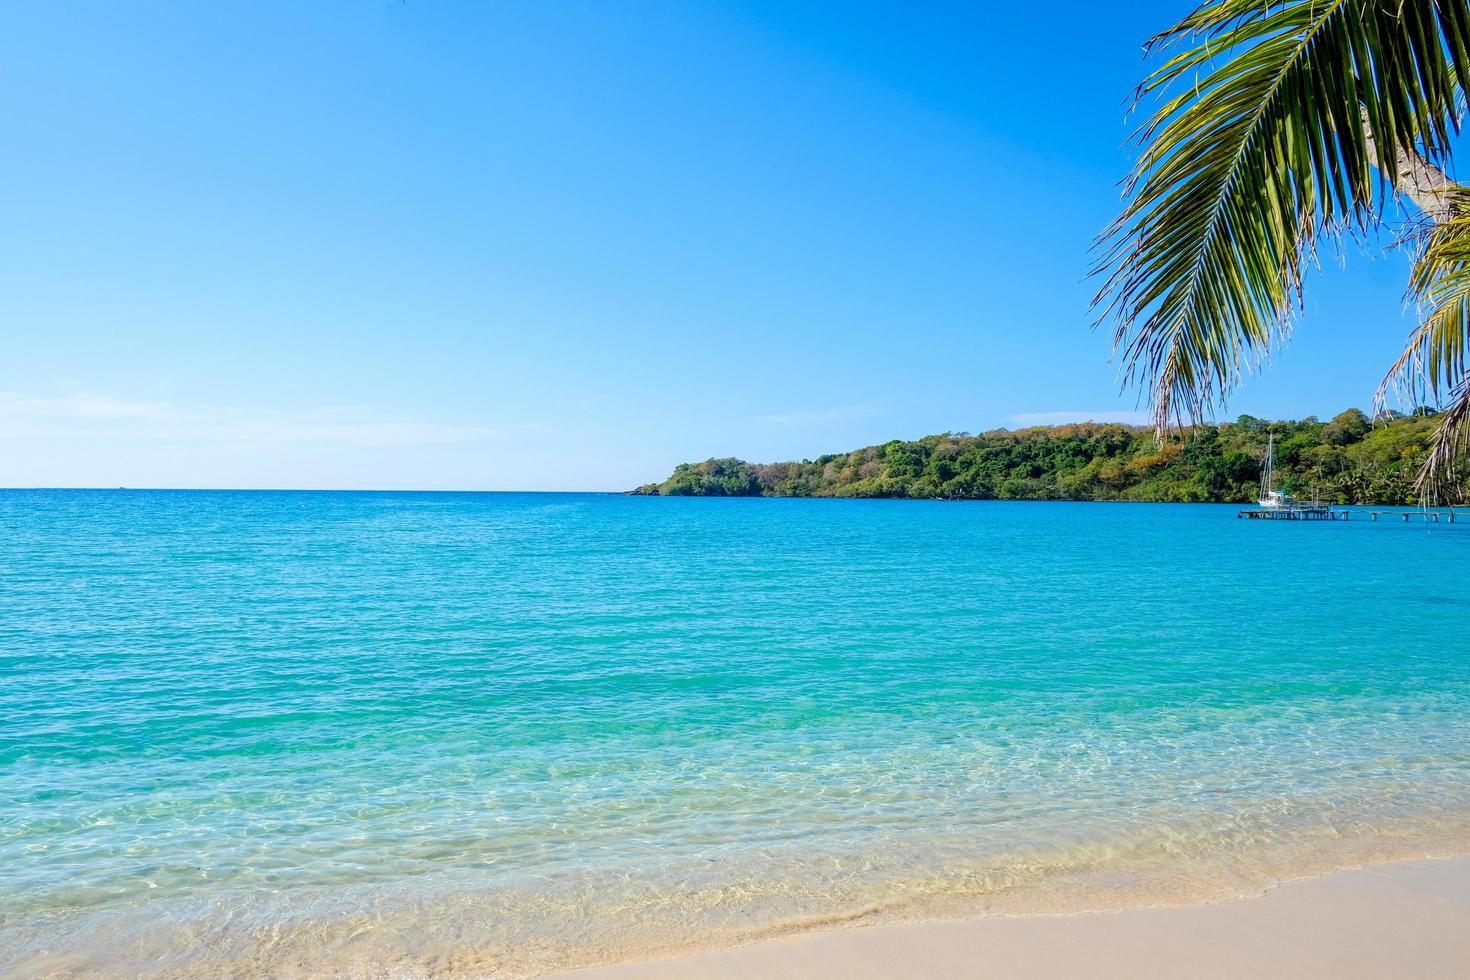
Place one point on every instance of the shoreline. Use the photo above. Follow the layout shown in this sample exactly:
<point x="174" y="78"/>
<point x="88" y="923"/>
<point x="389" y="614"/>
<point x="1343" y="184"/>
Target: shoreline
<point x="1405" y="918"/>
<point x="1384" y="893"/>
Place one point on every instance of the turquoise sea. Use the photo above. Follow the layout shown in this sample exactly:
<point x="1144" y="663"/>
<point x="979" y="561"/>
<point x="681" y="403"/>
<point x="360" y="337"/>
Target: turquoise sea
<point x="406" y="734"/>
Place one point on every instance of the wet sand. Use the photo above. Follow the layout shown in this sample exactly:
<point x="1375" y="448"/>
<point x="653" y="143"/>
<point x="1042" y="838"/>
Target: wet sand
<point x="1408" y="919"/>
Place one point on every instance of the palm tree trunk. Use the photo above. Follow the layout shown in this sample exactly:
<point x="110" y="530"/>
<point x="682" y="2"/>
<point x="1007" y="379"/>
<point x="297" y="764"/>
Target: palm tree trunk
<point x="1417" y="179"/>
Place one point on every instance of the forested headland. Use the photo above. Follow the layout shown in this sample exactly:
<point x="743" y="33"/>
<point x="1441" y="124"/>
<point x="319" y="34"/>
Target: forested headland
<point x="1351" y="459"/>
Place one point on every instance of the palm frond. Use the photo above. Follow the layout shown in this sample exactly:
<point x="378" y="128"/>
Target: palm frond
<point x="1264" y="136"/>
<point x="1443" y="476"/>
<point x="1434" y="359"/>
<point x="1433" y="364"/>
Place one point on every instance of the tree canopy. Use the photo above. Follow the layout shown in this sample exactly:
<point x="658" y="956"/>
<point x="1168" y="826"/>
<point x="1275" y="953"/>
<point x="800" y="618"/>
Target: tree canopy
<point x="1348" y="459"/>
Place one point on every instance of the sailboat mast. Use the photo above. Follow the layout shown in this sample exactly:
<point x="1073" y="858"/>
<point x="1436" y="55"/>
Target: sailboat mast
<point x="1266" y="475"/>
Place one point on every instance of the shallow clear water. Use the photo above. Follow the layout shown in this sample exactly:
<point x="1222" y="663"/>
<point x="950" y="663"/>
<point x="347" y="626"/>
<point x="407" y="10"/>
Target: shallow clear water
<point x="398" y="733"/>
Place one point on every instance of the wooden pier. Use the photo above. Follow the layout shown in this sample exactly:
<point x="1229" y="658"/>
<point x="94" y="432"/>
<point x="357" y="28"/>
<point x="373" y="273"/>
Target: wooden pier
<point x="1278" y="505"/>
<point x="1323" y="513"/>
<point x="1294" y="514"/>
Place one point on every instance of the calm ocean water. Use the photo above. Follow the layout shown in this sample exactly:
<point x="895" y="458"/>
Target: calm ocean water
<point x="386" y="734"/>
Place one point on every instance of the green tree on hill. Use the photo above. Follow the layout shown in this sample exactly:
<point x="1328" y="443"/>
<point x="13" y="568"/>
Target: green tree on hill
<point x="1347" y="460"/>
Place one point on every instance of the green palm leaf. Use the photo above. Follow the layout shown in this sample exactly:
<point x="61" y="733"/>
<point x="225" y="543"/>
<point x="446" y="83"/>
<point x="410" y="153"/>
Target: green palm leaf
<point x="1275" y="123"/>
<point x="1433" y="364"/>
<point x="1443" y="476"/>
<point x="1434" y="359"/>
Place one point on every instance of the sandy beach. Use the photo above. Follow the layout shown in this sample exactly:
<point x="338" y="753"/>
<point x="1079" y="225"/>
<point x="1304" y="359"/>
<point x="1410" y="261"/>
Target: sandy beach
<point x="1408" y="919"/>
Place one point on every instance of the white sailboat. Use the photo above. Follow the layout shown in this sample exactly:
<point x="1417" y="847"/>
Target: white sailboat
<point x="1272" y="498"/>
<point x="1278" y="505"/>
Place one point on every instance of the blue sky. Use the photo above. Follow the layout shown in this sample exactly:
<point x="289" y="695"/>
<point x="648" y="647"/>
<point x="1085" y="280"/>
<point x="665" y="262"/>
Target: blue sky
<point x="565" y="245"/>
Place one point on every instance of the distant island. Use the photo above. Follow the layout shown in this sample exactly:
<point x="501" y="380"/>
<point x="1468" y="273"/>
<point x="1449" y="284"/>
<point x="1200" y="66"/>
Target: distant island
<point x="1352" y="459"/>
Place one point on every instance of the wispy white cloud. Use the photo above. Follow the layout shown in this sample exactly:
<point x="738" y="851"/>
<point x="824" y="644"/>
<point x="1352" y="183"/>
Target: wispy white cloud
<point x="826" y="416"/>
<point x="97" y="407"/>
<point x="1064" y="416"/>
<point x="100" y="416"/>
